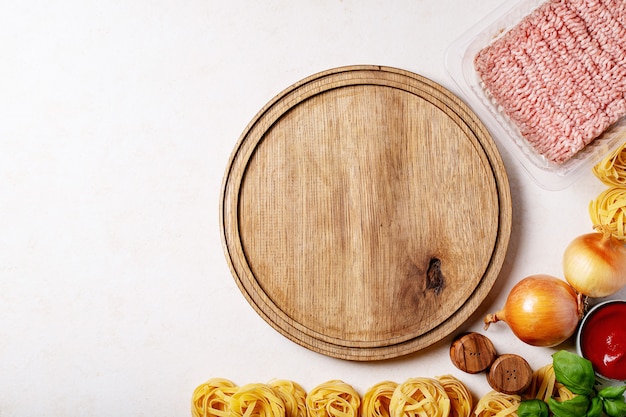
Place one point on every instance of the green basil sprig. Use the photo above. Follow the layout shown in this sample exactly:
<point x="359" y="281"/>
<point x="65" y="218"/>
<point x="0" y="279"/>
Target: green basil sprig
<point x="575" y="407"/>
<point x="577" y="374"/>
<point x="533" y="408"/>
<point x="612" y="393"/>
<point x="595" y="408"/>
<point x="573" y="371"/>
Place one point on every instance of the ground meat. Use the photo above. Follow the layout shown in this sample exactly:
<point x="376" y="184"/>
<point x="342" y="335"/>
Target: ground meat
<point x="560" y="74"/>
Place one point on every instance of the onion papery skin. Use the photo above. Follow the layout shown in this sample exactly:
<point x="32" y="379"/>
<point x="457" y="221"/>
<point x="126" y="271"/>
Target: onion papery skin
<point x="595" y="264"/>
<point x="541" y="310"/>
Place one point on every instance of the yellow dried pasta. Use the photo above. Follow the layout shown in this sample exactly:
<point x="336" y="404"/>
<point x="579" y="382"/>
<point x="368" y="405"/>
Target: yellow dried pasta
<point x="562" y="393"/>
<point x="293" y="396"/>
<point x="333" y="398"/>
<point x="256" y="400"/>
<point x="608" y="210"/>
<point x="497" y="404"/>
<point x="612" y="169"/>
<point x="461" y="401"/>
<point x="418" y="397"/>
<point x="377" y="399"/>
<point x="212" y="398"/>
<point x="544" y="386"/>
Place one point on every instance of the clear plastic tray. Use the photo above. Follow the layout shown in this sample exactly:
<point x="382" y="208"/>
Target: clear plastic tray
<point x="460" y="65"/>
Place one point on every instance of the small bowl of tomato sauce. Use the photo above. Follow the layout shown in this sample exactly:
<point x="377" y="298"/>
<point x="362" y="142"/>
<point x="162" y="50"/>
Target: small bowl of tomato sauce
<point x="602" y="339"/>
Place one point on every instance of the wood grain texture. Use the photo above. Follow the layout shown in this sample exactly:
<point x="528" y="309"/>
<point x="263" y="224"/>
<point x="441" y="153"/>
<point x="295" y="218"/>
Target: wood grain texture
<point x="365" y="212"/>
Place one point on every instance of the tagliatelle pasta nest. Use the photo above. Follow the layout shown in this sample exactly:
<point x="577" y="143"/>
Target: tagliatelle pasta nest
<point x="417" y="397"/>
<point x="258" y="400"/>
<point x="612" y="169"/>
<point x="544" y="386"/>
<point x="461" y="401"/>
<point x="377" y="399"/>
<point x="497" y="404"/>
<point x="212" y="398"/>
<point x="333" y="398"/>
<point x="293" y="396"/>
<point x="608" y="211"/>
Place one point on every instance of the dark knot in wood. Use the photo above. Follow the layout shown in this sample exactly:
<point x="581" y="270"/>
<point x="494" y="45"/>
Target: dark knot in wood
<point x="434" y="278"/>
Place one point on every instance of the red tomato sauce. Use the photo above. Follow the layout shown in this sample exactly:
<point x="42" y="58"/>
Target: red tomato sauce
<point x="603" y="340"/>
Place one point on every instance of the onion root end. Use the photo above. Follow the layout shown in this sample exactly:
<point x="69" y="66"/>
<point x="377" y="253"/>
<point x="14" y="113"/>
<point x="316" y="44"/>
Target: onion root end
<point x="490" y="318"/>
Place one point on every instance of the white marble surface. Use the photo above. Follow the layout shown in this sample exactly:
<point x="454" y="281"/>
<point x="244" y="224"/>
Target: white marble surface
<point x="117" y="119"/>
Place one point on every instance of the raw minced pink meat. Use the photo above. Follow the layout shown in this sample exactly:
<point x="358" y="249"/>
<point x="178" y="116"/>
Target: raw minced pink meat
<point x="560" y="74"/>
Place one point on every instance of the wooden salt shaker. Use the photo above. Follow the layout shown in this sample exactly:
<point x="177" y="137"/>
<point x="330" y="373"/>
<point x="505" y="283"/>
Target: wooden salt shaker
<point x="510" y="374"/>
<point x="472" y="353"/>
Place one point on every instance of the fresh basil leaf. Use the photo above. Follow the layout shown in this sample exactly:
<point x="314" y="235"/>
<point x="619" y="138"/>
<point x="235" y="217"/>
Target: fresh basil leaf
<point x="595" y="408"/>
<point x="614" y="408"/>
<point x="573" y="371"/>
<point x="575" y="407"/>
<point x="534" y="408"/>
<point x="612" y="393"/>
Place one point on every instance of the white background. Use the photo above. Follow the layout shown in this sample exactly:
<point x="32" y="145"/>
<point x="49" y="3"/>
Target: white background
<point x="117" y="120"/>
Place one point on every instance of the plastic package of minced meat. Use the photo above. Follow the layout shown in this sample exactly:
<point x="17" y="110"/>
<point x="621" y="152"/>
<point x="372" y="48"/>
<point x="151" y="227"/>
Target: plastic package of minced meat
<point x="548" y="79"/>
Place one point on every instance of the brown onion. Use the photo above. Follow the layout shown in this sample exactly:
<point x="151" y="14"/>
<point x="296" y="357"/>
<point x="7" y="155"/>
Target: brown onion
<point x="595" y="264"/>
<point x="541" y="310"/>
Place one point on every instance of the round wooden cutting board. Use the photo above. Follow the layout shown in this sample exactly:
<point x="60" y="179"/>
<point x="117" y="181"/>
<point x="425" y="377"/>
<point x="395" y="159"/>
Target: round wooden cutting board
<point x="365" y="213"/>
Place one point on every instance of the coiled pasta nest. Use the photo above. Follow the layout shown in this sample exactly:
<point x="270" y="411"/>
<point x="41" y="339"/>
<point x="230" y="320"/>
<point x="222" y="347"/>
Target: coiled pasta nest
<point x="333" y="399"/>
<point x="608" y="209"/>
<point x="212" y="398"/>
